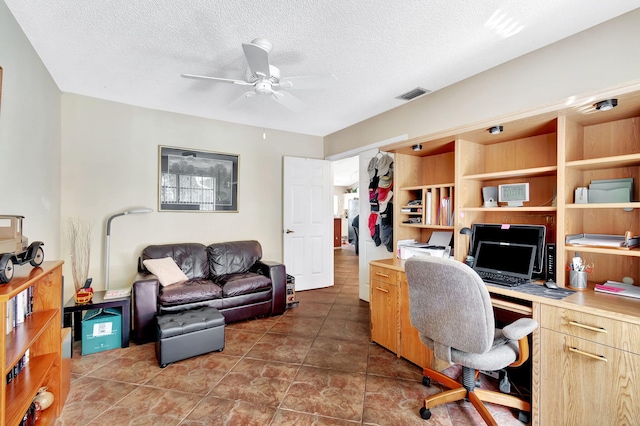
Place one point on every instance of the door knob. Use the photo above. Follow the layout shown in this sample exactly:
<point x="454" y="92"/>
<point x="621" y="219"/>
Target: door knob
<point x="289" y="231"/>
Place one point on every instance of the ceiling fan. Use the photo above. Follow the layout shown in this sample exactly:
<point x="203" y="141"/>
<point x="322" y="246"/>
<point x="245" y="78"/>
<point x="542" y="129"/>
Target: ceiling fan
<point x="265" y="78"/>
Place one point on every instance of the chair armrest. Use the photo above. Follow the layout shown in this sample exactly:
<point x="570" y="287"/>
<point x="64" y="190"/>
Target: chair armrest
<point x="519" y="328"/>
<point x="278" y="274"/>
<point x="144" y="295"/>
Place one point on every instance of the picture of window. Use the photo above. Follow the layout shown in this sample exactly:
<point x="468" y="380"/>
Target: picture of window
<point x="193" y="180"/>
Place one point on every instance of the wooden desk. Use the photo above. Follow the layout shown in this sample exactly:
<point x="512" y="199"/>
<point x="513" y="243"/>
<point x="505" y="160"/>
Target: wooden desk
<point x="585" y="354"/>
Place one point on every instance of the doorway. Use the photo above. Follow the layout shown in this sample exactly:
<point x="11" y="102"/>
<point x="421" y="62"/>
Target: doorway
<point x="346" y="199"/>
<point x="367" y="248"/>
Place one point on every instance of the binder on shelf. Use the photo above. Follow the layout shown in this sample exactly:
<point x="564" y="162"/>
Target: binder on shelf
<point x="620" y="289"/>
<point x="603" y="240"/>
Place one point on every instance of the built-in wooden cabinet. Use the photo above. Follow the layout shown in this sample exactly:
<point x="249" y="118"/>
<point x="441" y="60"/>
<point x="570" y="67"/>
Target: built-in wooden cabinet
<point x="426" y="177"/>
<point x="40" y="335"/>
<point x="603" y="146"/>
<point x="390" y="319"/>
<point x="555" y="151"/>
<point x="411" y="347"/>
<point x="383" y="303"/>
<point x="589" y="369"/>
<point x="525" y="152"/>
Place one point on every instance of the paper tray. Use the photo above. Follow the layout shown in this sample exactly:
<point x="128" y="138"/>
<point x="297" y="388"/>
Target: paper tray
<point x="602" y="240"/>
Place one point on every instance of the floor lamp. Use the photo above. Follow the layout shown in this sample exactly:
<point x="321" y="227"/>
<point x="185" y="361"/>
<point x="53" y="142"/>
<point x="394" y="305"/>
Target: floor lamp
<point x="106" y="250"/>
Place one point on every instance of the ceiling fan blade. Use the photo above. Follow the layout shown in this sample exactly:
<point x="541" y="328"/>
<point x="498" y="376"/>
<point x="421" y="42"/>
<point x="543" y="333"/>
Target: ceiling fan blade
<point x="224" y="80"/>
<point x="308" y="82"/>
<point x="258" y="59"/>
<point x="288" y="101"/>
<point x="241" y="100"/>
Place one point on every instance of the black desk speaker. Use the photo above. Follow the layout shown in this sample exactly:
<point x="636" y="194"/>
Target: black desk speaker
<point x="550" y="262"/>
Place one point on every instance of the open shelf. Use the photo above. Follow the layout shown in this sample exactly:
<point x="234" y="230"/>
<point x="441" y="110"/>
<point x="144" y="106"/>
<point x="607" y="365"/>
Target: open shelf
<point x="40" y="334"/>
<point x="521" y="173"/>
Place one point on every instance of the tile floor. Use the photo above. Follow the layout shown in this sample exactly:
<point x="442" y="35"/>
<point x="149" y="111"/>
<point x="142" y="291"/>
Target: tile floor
<point x="314" y="365"/>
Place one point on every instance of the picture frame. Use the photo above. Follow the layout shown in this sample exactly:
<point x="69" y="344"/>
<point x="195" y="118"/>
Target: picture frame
<point x="197" y="181"/>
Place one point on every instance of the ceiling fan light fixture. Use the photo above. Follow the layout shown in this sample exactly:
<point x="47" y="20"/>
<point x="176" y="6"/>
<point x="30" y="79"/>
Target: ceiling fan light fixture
<point x="263" y="88"/>
<point x="265" y="78"/>
<point x="606" y="105"/>
<point x="495" y="130"/>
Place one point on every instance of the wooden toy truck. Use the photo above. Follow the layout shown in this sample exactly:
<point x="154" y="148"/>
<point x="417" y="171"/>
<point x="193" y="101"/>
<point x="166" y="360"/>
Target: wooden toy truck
<point x="15" y="248"/>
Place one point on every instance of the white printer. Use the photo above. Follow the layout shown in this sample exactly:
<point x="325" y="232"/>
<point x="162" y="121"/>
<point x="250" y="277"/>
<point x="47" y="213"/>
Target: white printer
<point x="439" y="245"/>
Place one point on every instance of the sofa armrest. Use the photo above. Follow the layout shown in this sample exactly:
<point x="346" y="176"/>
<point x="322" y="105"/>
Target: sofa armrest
<point x="278" y="274"/>
<point x="145" y="301"/>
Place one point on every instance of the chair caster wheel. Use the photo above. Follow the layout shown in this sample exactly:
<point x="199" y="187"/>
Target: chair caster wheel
<point x="426" y="381"/>
<point x="524" y="416"/>
<point x="425" y="413"/>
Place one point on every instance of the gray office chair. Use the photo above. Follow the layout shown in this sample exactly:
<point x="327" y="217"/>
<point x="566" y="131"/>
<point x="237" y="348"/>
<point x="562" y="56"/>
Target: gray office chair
<point x="450" y="307"/>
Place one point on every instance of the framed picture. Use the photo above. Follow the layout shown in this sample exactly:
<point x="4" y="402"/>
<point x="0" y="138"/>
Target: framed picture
<point x="191" y="180"/>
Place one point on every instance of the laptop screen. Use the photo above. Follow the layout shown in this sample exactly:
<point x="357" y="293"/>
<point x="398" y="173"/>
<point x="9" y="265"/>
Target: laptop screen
<point x="511" y="259"/>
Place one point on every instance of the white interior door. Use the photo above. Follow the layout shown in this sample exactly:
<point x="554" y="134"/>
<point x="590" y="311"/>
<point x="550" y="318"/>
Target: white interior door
<point x="367" y="247"/>
<point x="308" y="222"/>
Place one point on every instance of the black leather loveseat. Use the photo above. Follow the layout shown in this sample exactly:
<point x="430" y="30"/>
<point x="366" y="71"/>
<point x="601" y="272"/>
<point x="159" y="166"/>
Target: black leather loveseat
<point x="230" y="277"/>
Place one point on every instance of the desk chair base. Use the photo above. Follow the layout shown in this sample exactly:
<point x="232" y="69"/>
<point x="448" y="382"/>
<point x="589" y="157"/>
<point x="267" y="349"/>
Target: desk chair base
<point x="467" y="390"/>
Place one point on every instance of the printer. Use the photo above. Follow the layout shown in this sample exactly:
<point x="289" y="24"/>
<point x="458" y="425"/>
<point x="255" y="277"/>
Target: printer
<point x="439" y="245"/>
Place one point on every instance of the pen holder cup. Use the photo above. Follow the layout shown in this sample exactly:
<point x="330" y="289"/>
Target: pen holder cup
<point x="578" y="279"/>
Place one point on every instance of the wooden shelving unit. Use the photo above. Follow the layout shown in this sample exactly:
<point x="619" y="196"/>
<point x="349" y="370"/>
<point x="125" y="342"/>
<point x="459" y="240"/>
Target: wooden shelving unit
<point x="417" y="175"/>
<point x="555" y="151"/>
<point x="430" y="209"/>
<point x="586" y="157"/>
<point x="41" y="335"/>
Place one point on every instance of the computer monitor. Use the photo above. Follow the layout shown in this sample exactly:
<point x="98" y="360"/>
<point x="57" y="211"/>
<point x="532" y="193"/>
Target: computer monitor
<point x="514" y="260"/>
<point x="511" y="233"/>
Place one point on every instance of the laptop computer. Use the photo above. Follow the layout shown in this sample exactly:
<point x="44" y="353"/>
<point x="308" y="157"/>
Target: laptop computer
<point x="508" y="264"/>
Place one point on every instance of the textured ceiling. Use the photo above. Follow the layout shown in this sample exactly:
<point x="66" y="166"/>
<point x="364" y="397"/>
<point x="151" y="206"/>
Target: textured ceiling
<point x="134" y="51"/>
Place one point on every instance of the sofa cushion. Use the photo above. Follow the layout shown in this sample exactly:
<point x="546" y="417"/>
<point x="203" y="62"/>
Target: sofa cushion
<point x="166" y="270"/>
<point x="233" y="257"/>
<point x="189" y="291"/>
<point x="190" y="257"/>
<point x="238" y="284"/>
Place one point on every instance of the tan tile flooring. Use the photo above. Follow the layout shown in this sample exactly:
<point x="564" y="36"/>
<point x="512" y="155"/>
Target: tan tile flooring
<point x="314" y="365"/>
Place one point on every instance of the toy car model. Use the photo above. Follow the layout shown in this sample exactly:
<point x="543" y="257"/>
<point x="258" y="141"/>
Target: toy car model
<point x="15" y="248"/>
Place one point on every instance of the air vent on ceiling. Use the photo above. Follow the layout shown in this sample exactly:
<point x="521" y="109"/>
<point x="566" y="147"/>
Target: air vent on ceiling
<point x="412" y="94"/>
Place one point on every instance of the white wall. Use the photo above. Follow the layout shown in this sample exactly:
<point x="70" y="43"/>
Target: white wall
<point x="601" y="57"/>
<point x="339" y="191"/>
<point x="29" y="138"/>
<point x="110" y="164"/>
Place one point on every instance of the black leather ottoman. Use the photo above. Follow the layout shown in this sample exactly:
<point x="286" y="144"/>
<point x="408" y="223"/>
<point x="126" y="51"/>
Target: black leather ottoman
<point x="186" y="334"/>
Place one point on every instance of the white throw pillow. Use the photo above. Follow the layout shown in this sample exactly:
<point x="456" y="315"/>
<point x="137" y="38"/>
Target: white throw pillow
<point x="166" y="270"/>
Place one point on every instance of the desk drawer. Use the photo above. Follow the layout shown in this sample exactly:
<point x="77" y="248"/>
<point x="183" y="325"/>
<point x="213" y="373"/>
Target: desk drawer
<point x="383" y="274"/>
<point x="585" y="383"/>
<point x="606" y="331"/>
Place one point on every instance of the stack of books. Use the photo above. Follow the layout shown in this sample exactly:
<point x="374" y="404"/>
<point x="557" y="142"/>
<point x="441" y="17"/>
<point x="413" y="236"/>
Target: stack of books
<point x="117" y="293"/>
